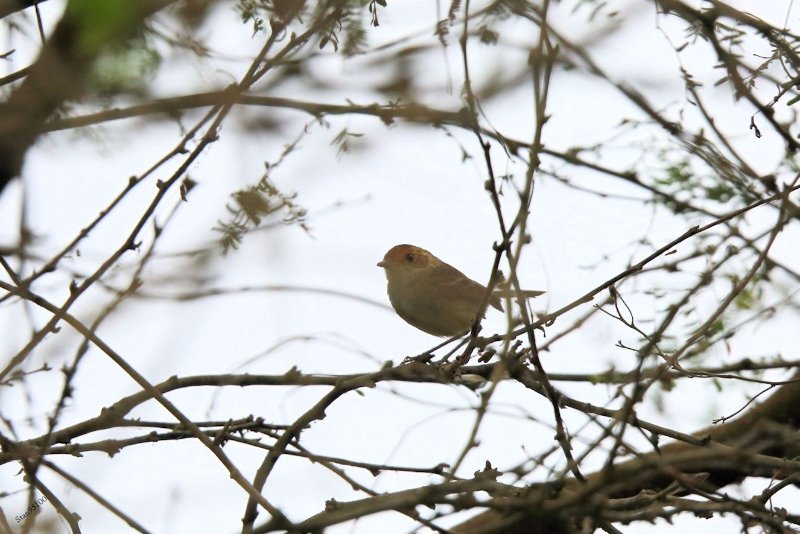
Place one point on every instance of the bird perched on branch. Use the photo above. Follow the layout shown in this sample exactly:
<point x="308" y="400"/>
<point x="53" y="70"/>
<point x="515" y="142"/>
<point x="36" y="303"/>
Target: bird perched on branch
<point x="433" y="296"/>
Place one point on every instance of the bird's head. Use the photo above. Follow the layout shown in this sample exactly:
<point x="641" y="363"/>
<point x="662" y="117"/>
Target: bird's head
<point x="407" y="258"/>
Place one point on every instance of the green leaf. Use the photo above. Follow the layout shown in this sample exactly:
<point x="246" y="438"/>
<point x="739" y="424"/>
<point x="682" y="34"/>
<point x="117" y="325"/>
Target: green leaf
<point x="102" y="22"/>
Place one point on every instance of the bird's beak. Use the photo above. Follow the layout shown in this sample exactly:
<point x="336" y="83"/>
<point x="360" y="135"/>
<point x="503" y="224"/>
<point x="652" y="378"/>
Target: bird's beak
<point x="381" y="263"/>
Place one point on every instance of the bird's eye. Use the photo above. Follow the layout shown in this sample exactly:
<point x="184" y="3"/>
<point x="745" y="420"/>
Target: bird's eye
<point x="409" y="258"/>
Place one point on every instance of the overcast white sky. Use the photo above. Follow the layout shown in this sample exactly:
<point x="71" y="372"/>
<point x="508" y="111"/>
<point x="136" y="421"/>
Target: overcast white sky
<point x="401" y="184"/>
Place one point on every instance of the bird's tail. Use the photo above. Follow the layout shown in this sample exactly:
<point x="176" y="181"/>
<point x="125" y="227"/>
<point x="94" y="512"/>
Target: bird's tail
<point x="510" y="293"/>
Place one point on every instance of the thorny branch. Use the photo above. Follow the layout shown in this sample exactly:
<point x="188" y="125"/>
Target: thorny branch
<point x="595" y="476"/>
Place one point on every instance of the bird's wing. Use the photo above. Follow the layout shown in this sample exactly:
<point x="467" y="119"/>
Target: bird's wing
<point x="457" y="286"/>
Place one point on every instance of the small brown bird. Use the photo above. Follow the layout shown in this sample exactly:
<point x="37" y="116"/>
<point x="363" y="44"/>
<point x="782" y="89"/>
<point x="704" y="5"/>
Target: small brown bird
<point x="433" y="296"/>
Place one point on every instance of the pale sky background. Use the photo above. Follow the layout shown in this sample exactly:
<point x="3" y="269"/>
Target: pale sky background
<point x="401" y="184"/>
